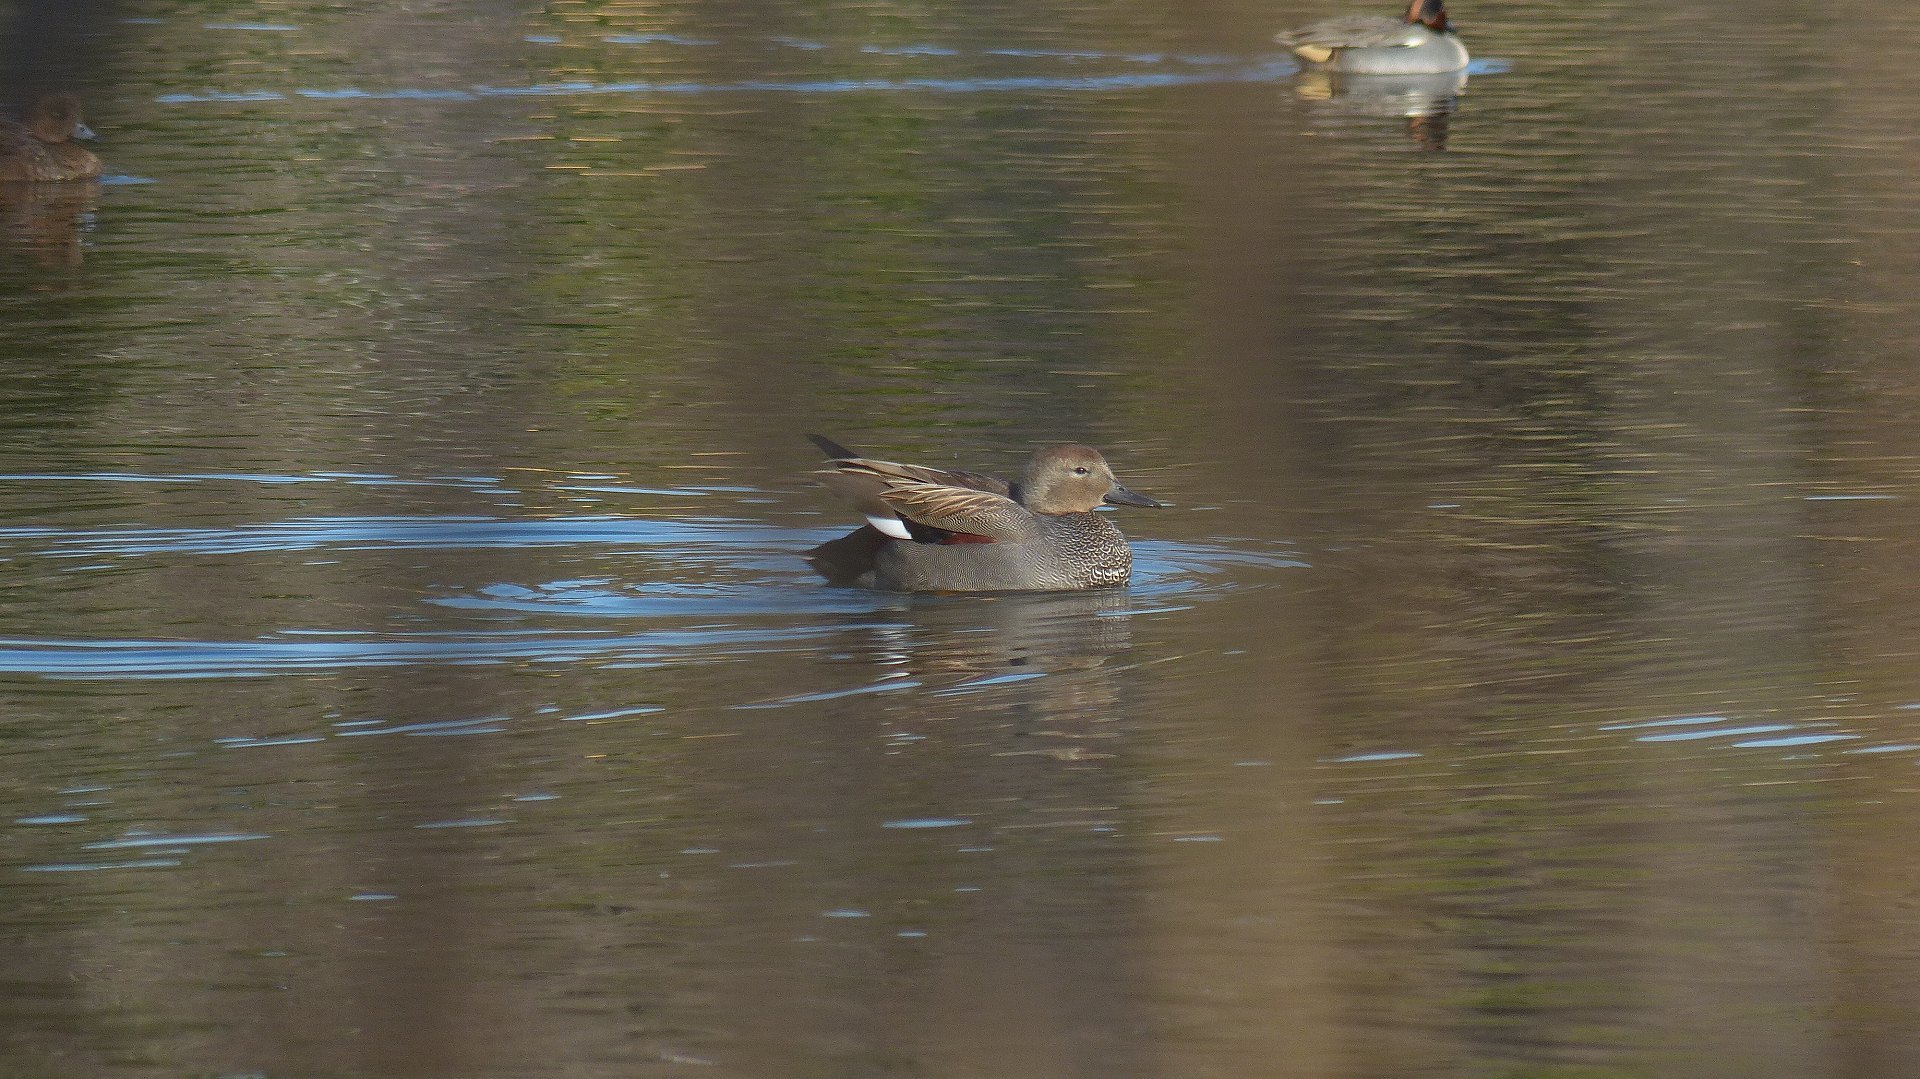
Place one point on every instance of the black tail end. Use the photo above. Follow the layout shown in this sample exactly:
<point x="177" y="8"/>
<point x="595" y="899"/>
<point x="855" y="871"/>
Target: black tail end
<point x="834" y="450"/>
<point x="846" y="560"/>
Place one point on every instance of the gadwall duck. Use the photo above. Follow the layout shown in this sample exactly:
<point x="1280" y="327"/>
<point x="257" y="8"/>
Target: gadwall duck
<point x="1421" y="43"/>
<point x="940" y="530"/>
<point x="40" y="147"/>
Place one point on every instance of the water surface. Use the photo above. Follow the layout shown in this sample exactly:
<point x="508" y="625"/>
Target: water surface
<point x="409" y="668"/>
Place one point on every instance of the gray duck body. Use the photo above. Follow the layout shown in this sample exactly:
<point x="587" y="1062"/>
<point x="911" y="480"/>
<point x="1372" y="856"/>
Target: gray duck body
<point x="1071" y="551"/>
<point x="936" y="530"/>
<point x="1421" y="42"/>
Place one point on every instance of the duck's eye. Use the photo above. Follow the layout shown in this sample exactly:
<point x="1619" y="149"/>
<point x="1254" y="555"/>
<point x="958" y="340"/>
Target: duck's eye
<point x="1080" y="471"/>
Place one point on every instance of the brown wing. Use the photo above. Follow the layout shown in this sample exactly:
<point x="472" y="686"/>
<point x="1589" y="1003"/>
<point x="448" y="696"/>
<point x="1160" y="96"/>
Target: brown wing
<point x="978" y="481"/>
<point x="892" y="472"/>
<point x="22" y="157"/>
<point x="884" y="489"/>
<point x="961" y="509"/>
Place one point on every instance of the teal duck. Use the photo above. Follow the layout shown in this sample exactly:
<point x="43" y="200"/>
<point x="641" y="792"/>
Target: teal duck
<point x="1420" y="43"/>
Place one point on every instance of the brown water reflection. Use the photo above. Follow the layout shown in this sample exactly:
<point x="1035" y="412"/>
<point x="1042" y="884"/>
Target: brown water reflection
<point x="410" y="668"/>
<point x="42" y="223"/>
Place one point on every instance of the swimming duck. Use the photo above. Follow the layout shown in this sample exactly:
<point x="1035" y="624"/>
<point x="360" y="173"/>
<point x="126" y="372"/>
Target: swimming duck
<point x="40" y="147"/>
<point x="946" y="530"/>
<point x="1422" y="43"/>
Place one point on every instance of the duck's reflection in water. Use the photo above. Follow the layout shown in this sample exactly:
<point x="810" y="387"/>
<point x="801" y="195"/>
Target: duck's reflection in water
<point x="1027" y="673"/>
<point x="41" y="223"/>
<point x="1001" y="767"/>
<point x="1425" y="102"/>
<point x="994" y="633"/>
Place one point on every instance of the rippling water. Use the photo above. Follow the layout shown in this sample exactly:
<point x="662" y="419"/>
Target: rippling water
<point x="410" y="669"/>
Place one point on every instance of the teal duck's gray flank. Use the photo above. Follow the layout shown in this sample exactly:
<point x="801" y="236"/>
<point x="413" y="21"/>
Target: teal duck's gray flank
<point x="1422" y="42"/>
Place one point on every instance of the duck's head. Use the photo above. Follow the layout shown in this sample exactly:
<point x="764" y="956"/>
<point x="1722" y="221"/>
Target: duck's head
<point x="1431" y="14"/>
<point x="56" y="118"/>
<point x="1073" y="479"/>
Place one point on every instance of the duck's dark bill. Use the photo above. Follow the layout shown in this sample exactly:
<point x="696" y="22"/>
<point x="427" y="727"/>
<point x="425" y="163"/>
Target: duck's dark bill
<point x="1120" y="496"/>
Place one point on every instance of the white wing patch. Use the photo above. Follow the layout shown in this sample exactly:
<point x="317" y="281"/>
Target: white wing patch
<point x="890" y="526"/>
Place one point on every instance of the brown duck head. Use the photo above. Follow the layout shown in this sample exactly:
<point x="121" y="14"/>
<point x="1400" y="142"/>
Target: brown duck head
<point x="1073" y="479"/>
<point x="56" y="118"/>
